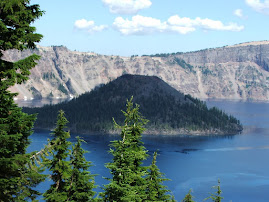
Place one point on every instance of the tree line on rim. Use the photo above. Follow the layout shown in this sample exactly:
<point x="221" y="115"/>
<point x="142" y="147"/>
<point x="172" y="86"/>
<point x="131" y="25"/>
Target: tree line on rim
<point x="21" y="172"/>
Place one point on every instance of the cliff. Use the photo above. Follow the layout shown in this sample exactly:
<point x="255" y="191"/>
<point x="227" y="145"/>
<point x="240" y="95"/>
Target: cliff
<point x="230" y="72"/>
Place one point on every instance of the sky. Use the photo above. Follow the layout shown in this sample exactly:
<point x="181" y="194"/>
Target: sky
<point x="143" y="27"/>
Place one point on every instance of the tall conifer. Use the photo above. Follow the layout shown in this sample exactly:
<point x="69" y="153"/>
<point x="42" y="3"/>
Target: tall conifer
<point x="81" y="181"/>
<point x="216" y="196"/>
<point x="188" y="197"/>
<point x="155" y="190"/>
<point x="59" y="165"/>
<point x="128" y="182"/>
<point x="16" y="178"/>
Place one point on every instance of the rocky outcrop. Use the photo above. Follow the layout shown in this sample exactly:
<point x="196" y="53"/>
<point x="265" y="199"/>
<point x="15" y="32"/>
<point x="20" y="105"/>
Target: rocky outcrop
<point x="231" y="72"/>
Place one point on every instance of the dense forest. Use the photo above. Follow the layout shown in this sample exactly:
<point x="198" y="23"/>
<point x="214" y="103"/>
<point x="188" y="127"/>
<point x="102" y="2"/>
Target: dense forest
<point x="164" y="107"/>
<point x="71" y="180"/>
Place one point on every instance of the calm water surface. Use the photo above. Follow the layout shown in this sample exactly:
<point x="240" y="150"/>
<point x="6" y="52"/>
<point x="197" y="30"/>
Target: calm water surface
<point x="241" y="162"/>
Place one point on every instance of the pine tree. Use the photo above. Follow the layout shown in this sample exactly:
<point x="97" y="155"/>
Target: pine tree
<point x="216" y="197"/>
<point x="128" y="182"/>
<point x="16" y="178"/>
<point x="188" y="197"/>
<point x="81" y="181"/>
<point x="59" y="165"/>
<point x="173" y="199"/>
<point x="155" y="190"/>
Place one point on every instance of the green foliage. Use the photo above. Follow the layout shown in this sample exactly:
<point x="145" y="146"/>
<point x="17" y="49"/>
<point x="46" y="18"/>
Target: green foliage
<point x="128" y="182"/>
<point x="205" y="70"/>
<point x="188" y="197"/>
<point x="17" y="179"/>
<point x="166" y="108"/>
<point x="48" y="76"/>
<point x="163" y="54"/>
<point x="62" y="89"/>
<point x="155" y="190"/>
<point x="81" y="181"/>
<point x="59" y="165"/>
<point x="72" y="180"/>
<point x="173" y="199"/>
<point x="212" y="118"/>
<point x="16" y="18"/>
<point x="184" y="65"/>
<point x="50" y="95"/>
<point x="216" y="197"/>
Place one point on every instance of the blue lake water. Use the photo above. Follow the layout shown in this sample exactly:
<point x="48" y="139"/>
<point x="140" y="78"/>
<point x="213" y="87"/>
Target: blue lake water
<point x="241" y="162"/>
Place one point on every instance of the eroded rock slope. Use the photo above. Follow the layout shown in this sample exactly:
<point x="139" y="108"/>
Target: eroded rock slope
<point x="231" y="72"/>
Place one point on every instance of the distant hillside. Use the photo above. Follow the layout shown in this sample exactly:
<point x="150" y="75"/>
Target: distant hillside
<point x="231" y="72"/>
<point x="165" y="108"/>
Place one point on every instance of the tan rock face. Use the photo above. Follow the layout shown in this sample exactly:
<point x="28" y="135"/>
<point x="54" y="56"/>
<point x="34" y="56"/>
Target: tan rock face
<point x="232" y="72"/>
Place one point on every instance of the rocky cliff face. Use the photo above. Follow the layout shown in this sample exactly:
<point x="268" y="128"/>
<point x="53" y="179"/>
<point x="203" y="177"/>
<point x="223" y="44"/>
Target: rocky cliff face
<point x="231" y="72"/>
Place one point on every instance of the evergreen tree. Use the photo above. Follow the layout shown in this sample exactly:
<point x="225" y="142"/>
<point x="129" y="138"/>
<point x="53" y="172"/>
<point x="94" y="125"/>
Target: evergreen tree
<point x="188" y="197"/>
<point x="155" y="190"/>
<point x="216" y="197"/>
<point x="81" y="181"/>
<point x="59" y="165"/>
<point x="128" y="182"/>
<point x="16" y="178"/>
<point x="173" y="199"/>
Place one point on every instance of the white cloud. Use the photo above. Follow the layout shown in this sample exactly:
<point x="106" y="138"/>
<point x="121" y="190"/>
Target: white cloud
<point x="239" y="13"/>
<point x="146" y="25"/>
<point x="83" y="24"/>
<point x="126" y="6"/>
<point x="257" y="5"/>
<point x="208" y="24"/>
<point x="88" y="26"/>
<point x="139" y="25"/>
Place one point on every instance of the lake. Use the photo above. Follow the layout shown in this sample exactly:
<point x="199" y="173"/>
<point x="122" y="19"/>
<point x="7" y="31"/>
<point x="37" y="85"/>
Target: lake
<point x="241" y="162"/>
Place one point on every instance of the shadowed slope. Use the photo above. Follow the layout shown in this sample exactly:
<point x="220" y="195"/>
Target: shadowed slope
<point x="166" y="109"/>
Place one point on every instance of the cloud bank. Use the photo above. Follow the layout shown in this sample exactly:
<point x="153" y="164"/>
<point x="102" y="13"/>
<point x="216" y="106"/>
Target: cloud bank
<point x="140" y="25"/>
<point x="126" y="6"/>
<point x="88" y="26"/>
<point x="258" y="6"/>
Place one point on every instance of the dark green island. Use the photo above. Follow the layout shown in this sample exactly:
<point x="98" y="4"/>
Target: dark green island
<point x="168" y="111"/>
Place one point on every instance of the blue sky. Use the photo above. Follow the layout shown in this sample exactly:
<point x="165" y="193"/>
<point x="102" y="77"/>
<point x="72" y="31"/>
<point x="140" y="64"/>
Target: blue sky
<point x="130" y="27"/>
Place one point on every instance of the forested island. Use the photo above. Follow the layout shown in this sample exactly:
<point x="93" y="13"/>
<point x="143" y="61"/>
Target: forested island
<point x="167" y="110"/>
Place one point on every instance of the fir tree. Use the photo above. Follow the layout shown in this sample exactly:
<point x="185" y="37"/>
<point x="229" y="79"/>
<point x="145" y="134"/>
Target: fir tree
<point x="81" y="181"/>
<point x="128" y="182"/>
<point x="59" y="165"/>
<point x="16" y="178"/>
<point x="173" y="199"/>
<point x="216" y="197"/>
<point x="155" y="190"/>
<point x="188" y="197"/>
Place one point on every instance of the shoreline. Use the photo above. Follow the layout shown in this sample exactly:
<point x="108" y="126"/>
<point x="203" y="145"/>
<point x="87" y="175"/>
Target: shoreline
<point x="151" y="132"/>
